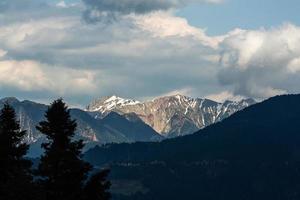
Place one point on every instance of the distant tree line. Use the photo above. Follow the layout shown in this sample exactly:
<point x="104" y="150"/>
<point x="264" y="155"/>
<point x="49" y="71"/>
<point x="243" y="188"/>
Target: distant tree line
<point x="61" y="173"/>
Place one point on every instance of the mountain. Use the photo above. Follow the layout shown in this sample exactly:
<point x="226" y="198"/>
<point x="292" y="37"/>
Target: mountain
<point x="108" y="103"/>
<point x="117" y="120"/>
<point x="29" y="115"/>
<point x="133" y="128"/>
<point x="253" y="154"/>
<point x="111" y="129"/>
<point x="170" y="116"/>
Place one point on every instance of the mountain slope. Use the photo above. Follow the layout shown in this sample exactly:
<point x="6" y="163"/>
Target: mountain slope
<point x="29" y="114"/>
<point x="254" y="154"/>
<point x="92" y="131"/>
<point x="171" y="116"/>
<point x="134" y="129"/>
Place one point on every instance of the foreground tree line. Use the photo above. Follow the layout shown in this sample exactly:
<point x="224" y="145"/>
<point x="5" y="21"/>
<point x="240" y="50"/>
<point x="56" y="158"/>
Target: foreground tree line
<point x="61" y="173"/>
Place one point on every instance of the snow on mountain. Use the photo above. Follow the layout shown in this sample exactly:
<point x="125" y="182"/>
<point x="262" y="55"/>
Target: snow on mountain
<point x="171" y="116"/>
<point x="106" y="104"/>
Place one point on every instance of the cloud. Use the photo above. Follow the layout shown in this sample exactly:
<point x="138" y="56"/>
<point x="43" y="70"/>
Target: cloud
<point x="2" y="53"/>
<point x="223" y="96"/>
<point x="62" y="4"/>
<point x="99" y="10"/>
<point x="83" y="61"/>
<point x="18" y="11"/>
<point x="24" y="75"/>
<point x="165" y="24"/>
<point x="54" y="53"/>
<point x="261" y="63"/>
<point x="294" y="65"/>
<point x="32" y="76"/>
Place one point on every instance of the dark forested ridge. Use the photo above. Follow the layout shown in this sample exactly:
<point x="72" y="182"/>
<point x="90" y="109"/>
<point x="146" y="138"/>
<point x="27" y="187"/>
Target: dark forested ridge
<point x="254" y="154"/>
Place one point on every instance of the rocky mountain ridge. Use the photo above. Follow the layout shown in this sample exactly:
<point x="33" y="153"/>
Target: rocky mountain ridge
<point x="117" y="120"/>
<point x="170" y="116"/>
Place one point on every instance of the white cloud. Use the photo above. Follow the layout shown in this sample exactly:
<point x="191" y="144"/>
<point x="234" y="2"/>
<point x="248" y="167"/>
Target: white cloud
<point x="223" y="96"/>
<point x="294" y="65"/>
<point x="261" y="63"/>
<point x="2" y="53"/>
<point x="165" y="24"/>
<point x="62" y="4"/>
<point x="25" y="75"/>
<point x="30" y="75"/>
<point x="183" y="91"/>
<point x="23" y="35"/>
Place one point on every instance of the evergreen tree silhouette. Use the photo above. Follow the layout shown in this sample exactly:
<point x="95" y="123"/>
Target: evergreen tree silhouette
<point x="63" y="172"/>
<point x="15" y="179"/>
<point x="97" y="187"/>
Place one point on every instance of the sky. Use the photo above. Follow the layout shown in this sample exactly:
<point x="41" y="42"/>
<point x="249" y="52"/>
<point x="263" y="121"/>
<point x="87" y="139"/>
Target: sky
<point x="85" y="49"/>
<point x="242" y="14"/>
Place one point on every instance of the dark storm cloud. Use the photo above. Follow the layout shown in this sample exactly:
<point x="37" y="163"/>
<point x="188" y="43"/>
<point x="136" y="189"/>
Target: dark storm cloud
<point x="109" y="10"/>
<point x="131" y="6"/>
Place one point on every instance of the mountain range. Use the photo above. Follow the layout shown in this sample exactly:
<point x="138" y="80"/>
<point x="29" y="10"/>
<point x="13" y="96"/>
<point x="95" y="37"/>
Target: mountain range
<point x="111" y="129"/>
<point x="253" y="154"/>
<point x="170" y="116"/>
<point x="117" y="120"/>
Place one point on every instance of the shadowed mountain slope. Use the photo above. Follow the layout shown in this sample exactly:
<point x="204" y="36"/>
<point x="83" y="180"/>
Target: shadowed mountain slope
<point x="254" y="154"/>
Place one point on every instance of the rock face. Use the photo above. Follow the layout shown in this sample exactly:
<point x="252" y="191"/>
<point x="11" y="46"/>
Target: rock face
<point x="170" y="116"/>
<point x="28" y="114"/>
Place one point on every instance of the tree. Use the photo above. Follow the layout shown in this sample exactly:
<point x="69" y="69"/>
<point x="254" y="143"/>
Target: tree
<point x="62" y="170"/>
<point x="16" y="178"/>
<point x="97" y="187"/>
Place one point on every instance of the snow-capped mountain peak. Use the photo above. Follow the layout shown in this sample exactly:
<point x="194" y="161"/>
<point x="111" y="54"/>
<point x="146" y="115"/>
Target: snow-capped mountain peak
<point x="109" y="103"/>
<point x="120" y="101"/>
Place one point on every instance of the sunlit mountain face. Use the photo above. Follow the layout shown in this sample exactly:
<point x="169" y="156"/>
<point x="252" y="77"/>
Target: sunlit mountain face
<point x="170" y="116"/>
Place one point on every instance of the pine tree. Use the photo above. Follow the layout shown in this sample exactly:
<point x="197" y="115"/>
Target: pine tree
<point x="15" y="179"/>
<point x="63" y="172"/>
<point x="97" y="187"/>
